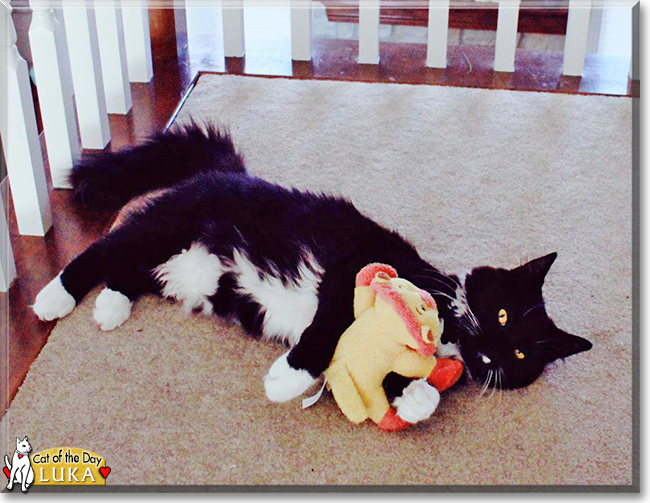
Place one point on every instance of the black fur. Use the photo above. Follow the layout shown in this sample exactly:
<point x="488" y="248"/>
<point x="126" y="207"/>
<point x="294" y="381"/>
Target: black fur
<point x="108" y="180"/>
<point x="214" y="201"/>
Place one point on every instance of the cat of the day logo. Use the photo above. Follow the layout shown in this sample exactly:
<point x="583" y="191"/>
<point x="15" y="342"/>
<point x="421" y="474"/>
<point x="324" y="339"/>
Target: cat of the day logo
<point x="60" y="466"/>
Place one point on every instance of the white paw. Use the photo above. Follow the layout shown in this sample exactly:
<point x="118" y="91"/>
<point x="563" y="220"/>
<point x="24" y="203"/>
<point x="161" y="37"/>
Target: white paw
<point x="283" y="382"/>
<point x="111" y="309"/>
<point x="53" y="301"/>
<point x="418" y="401"/>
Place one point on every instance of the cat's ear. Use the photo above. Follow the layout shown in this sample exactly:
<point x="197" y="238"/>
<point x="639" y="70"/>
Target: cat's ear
<point x="17" y="442"/>
<point x="563" y="344"/>
<point x="536" y="270"/>
<point x="25" y="439"/>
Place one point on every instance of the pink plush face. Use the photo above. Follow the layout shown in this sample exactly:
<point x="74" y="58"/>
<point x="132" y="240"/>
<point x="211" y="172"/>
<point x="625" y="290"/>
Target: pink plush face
<point x="416" y="308"/>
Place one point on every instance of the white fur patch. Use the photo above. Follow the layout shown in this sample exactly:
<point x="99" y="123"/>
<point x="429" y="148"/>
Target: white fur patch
<point x="53" y="301"/>
<point x="461" y="309"/>
<point x="418" y="401"/>
<point x="283" y="382"/>
<point x="459" y="304"/>
<point x="191" y="277"/>
<point x="288" y="308"/>
<point x="449" y="350"/>
<point x="111" y="309"/>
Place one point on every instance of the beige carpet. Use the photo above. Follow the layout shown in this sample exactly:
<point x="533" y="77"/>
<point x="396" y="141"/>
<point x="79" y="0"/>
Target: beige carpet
<point x="472" y="177"/>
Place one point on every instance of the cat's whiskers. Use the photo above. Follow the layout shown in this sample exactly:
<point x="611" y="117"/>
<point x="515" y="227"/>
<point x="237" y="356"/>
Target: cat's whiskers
<point x="455" y="282"/>
<point x="468" y="310"/>
<point x="500" y="384"/>
<point x="486" y="384"/>
<point x="464" y="315"/>
<point x="472" y="318"/>
<point x="532" y="308"/>
<point x="422" y="276"/>
<point x="467" y="326"/>
<point x="469" y="373"/>
<point x="497" y="382"/>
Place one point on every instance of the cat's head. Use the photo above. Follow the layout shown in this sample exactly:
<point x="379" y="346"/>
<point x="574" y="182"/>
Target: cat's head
<point x="505" y="336"/>
<point x="23" y="446"/>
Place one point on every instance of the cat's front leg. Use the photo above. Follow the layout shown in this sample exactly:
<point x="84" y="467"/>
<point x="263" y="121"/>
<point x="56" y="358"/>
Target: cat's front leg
<point x="418" y="401"/>
<point x="294" y="372"/>
<point x="25" y="473"/>
<point x="12" y="477"/>
<point x="414" y="399"/>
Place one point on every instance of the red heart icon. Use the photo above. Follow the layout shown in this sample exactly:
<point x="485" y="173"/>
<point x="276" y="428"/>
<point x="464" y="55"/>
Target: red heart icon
<point x="105" y="471"/>
<point x="7" y="472"/>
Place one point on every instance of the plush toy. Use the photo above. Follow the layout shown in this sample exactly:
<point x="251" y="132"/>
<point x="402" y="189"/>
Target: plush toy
<point x="396" y="329"/>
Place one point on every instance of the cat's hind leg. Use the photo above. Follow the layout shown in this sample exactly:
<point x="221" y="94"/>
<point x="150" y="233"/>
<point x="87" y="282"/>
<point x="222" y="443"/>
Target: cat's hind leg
<point x="191" y="277"/>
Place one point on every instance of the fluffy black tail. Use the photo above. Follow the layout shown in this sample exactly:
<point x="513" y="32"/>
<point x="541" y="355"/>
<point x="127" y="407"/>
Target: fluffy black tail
<point x="109" y="180"/>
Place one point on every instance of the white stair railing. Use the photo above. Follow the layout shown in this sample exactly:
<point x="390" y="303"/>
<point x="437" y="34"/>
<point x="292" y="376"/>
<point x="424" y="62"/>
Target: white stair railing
<point x="7" y="263"/>
<point x="88" y="56"/>
<point x="577" y="32"/>
<point x="82" y="56"/>
<point x="83" y="44"/>
<point x="232" y="16"/>
<point x="112" y="51"/>
<point x="437" y="35"/>
<point x="301" y="30"/>
<point x="136" y="37"/>
<point x="506" y="41"/>
<point x="55" y="91"/>
<point x="20" y="140"/>
<point x="369" y="32"/>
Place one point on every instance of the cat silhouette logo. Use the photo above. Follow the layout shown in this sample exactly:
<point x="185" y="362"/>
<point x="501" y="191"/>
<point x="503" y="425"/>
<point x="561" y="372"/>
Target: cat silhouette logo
<point x="67" y="466"/>
<point x="20" y="469"/>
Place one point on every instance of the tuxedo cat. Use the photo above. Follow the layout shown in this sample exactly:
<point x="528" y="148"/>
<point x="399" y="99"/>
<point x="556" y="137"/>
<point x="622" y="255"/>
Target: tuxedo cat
<point x="20" y="469"/>
<point x="198" y="228"/>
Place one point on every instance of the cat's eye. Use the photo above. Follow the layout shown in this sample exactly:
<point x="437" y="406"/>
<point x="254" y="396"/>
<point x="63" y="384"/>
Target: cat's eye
<point x="503" y="317"/>
<point x="519" y="355"/>
<point x="421" y="309"/>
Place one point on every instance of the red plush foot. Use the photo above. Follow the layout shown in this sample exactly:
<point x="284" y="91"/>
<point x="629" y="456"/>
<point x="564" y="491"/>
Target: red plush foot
<point x="367" y="274"/>
<point x="445" y="373"/>
<point x="392" y="422"/>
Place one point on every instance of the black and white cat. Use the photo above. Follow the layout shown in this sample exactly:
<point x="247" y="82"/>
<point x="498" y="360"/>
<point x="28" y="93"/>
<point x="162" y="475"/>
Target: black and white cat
<point x="283" y="262"/>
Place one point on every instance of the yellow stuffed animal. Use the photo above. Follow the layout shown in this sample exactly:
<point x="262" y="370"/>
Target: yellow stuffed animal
<point x="396" y="329"/>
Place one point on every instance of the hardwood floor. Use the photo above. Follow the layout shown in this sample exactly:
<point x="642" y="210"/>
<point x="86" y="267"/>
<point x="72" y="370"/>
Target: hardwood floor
<point x="178" y="57"/>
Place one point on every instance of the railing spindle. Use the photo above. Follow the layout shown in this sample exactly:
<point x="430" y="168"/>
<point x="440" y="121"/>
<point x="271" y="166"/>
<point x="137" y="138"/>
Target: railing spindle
<point x="232" y="13"/>
<point x="55" y="91"/>
<point x="437" y="35"/>
<point x="137" y="40"/>
<point x="83" y="45"/>
<point x="577" y="31"/>
<point x="301" y="30"/>
<point x="369" y="32"/>
<point x="7" y="264"/>
<point x="636" y="43"/>
<point x="506" y="40"/>
<point x="20" y="137"/>
<point x="110" y="32"/>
